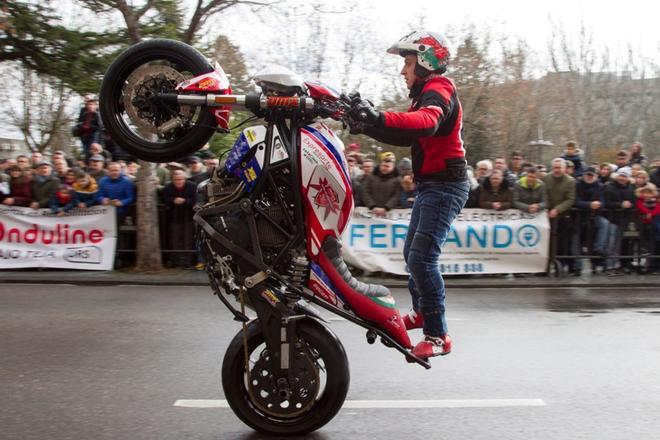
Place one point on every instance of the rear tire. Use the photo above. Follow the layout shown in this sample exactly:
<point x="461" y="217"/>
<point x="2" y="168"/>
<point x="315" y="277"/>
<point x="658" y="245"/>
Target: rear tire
<point x="111" y="104"/>
<point x="327" y="404"/>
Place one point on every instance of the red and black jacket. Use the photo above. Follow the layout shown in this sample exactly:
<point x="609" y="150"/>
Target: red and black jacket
<point x="433" y="127"/>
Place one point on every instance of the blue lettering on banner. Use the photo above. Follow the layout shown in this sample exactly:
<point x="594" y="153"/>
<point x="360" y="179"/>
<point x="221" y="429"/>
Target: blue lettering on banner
<point x="399" y="232"/>
<point x="392" y="236"/>
<point x="507" y="232"/>
<point x="355" y="234"/>
<point x="452" y="237"/>
<point x="481" y="239"/>
<point x="375" y="235"/>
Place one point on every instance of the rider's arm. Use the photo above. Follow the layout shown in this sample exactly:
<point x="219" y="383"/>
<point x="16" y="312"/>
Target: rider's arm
<point x="403" y="128"/>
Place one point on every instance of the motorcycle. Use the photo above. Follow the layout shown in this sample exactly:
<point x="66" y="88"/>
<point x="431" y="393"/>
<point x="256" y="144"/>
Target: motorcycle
<point x="269" y="227"/>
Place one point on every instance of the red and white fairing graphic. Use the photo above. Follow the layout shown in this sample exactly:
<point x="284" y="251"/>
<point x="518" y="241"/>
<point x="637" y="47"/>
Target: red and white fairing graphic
<point x="328" y="199"/>
<point x="216" y="82"/>
<point x="326" y="186"/>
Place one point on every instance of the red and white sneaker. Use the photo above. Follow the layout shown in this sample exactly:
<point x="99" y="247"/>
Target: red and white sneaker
<point x="433" y="346"/>
<point x="413" y="320"/>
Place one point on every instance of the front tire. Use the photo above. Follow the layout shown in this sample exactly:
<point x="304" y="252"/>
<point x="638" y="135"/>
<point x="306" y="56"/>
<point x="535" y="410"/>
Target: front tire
<point x="329" y="354"/>
<point x="164" y="63"/>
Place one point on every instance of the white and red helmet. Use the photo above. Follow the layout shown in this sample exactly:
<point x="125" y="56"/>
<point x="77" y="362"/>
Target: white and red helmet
<point x="433" y="50"/>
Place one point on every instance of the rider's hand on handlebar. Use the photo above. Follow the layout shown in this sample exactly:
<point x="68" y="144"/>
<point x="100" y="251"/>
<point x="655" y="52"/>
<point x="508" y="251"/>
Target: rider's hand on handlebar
<point x="364" y="111"/>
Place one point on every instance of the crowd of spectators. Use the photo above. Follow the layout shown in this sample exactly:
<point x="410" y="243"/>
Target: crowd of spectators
<point x="608" y="211"/>
<point x="99" y="176"/>
<point x="602" y="210"/>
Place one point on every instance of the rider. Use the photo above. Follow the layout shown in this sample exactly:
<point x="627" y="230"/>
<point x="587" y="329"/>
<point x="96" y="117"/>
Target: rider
<point x="432" y="126"/>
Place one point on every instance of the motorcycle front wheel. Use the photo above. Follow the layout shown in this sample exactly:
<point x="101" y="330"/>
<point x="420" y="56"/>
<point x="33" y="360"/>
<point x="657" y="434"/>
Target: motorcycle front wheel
<point x="149" y="129"/>
<point x="321" y="379"/>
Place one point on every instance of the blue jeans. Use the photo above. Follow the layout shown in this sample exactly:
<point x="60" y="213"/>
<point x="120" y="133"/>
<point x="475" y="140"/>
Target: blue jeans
<point x="435" y="208"/>
<point x="602" y="230"/>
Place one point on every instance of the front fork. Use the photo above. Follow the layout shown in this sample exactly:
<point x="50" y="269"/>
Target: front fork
<point x="279" y="326"/>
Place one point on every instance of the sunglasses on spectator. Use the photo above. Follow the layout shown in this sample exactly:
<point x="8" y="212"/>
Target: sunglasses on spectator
<point x="388" y="161"/>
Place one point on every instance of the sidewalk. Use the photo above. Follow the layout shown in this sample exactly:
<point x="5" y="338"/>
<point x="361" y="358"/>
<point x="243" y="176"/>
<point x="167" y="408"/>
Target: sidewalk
<point x="175" y="277"/>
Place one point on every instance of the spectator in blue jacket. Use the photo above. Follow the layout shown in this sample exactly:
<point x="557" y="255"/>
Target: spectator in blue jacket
<point x="590" y="200"/>
<point x="116" y="189"/>
<point x="572" y="154"/>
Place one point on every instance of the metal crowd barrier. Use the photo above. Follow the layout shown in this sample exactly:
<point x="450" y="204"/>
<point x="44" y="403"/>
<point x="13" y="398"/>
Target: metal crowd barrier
<point x="572" y="241"/>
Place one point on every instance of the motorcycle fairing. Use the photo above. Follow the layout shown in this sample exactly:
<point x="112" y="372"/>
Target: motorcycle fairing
<point x="326" y="187"/>
<point x="319" y="90"/>
<point x="322" y="287"/>
<point x="216" y="82"/>
<point x="246" y="157"/>
<point x="371" y="302"/>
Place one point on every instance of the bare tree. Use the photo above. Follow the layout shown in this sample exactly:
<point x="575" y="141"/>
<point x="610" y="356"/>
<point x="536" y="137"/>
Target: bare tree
<point x="38" y="108"/>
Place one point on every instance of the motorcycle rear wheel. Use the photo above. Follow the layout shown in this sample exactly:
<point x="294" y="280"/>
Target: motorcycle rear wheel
<point x="330" y="359"/>
<point x="154" y="66"/>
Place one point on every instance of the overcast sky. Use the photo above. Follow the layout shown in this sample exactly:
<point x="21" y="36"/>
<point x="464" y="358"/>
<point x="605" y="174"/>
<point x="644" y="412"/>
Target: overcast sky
<point x="614" y="24"/>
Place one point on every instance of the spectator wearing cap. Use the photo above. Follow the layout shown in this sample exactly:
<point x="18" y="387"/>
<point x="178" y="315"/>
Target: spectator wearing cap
<point x="560" y="190"/>
<point x="593" y="226"/>
<point x="529" y="193"/>
<point x="96" y="167"/>
<point x="573" y="155"/>
<point x="381" y="189"/>
<point x="89" y="127"/>
<point x="636" y="156"/>
<point x="44" y="185"/>
<point x="495" y="192"/>
<point x="63" y="200"/>
<point x="197" y="172"/>
<point x="179" y="198"/>
<point x="619" y="200"/>
<point x="408" y="186"/>
<point x="96" y="148"/>
<point x="20" y="187"/>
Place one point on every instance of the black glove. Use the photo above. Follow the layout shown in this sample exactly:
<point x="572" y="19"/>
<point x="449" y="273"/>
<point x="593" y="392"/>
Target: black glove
<point x="363" y="111"/>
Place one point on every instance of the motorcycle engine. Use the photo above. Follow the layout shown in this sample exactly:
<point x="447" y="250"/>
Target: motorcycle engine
<point x="272" y="211"/>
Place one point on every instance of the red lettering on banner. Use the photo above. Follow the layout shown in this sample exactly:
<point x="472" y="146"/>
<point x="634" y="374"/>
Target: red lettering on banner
<point x="95" y="236"/>
<point x="60" y="235"/>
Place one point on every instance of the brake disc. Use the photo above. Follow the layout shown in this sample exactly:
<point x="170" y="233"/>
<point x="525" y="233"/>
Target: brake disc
<point x="143" y="83"/>
<point x="300" y="395"/>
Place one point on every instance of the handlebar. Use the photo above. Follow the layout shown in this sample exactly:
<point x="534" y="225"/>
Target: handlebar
<point x="257" y="103"/>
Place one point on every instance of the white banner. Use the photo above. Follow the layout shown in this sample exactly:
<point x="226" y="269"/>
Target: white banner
<point x="480" y="241"/>
<point x="83" y="239"/>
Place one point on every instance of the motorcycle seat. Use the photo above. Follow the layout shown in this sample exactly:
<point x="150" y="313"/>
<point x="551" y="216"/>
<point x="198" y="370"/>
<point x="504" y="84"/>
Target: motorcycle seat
<point x="332" y="250"/>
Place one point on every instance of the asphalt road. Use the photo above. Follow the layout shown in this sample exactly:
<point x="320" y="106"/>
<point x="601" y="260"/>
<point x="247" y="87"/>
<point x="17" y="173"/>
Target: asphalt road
<point x="78" y="362"/>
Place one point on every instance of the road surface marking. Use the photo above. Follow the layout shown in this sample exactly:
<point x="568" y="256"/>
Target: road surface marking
<point x="400" y="404"/>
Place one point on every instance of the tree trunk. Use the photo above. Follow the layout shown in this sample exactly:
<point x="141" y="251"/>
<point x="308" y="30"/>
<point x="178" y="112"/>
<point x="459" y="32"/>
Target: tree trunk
<point x="148" y="256"/>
